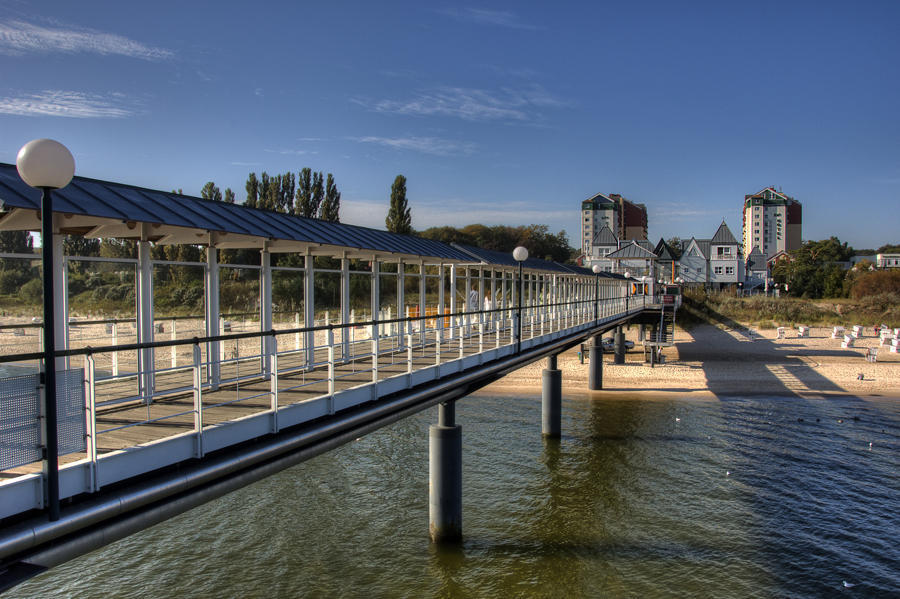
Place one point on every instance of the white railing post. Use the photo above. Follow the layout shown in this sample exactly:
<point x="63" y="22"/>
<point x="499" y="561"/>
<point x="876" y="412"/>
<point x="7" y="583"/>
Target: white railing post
<point x="174" y="336"/>
<point x="375" y="335"/>
<point x="409" y="353"/>
<point x="330" y="337"/>
<point x="438" y="342"/>
<point x="297" y="335"/>
<point x="480" y="337"/>
<point x="198" y="402"/>
<point x="462" y="342"/>
<point x="90" y="400"/>
<point x="273" y="381"/>
<point x="115" y="354"/>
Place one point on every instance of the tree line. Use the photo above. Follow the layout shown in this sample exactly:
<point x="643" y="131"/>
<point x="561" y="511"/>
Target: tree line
<point x="818" y="269"/>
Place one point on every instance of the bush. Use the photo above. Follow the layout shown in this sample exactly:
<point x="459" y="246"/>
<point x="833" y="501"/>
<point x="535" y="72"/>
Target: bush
<point x="32" y="292"/>
<point x="876" y="283"/>
<point x="12" y="280"/>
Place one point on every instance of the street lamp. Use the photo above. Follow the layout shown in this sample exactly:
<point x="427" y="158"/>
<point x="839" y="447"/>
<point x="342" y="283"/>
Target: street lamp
<point x="520" y="254"/>
<point x="596" y="270"/>
<point x="46" y="165"/>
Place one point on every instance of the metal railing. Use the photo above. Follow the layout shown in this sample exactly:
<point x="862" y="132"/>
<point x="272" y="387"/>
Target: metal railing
<point x="295" y="365"/>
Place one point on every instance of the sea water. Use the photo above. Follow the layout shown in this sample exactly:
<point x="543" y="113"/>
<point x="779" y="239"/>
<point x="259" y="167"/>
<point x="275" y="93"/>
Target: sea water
<point x="694" y="497"/>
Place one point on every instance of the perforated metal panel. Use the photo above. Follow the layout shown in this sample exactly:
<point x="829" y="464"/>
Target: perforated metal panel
<point x="20" y="424"/>
<point x="20" y="430"/>
<point x="70" y="410"/>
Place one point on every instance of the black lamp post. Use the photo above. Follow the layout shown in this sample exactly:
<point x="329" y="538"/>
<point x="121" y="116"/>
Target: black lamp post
<point x="47" y="164"/>
<point x="596" y="270"/>
<point x="520" y="254"/>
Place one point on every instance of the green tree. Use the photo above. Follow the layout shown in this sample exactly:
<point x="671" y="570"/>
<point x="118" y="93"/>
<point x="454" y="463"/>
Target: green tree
<point x="815" y="270"/>
<point x="331" y="206"/>
<point x="674" y="244"/>
<point x="398" y="219"/>
<point x="229" y="196"/>
<point x="305" y="204"/>
<point x="15" y="242"/>
<point x="211" y="192"/>
<point x="252" y="187"/>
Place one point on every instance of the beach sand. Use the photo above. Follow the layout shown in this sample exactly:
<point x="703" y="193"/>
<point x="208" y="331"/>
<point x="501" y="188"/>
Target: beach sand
<point x="717" y="362"/>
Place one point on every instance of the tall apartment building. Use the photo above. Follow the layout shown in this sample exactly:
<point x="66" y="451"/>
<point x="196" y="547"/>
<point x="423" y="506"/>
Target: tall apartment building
<point x="625" y="219"/>
<point x="772" y="222"/>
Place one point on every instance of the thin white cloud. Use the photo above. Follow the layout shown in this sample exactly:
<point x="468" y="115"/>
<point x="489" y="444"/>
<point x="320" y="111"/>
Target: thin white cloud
<point x="483" y="16"/>
<point x="236" y="163"/>
<point x="19" y="37"/>
<point x="426" y="145"/>
<point x="290" y="152"/>
<point x="469" y="104"/>
<point x="66" y="104"/>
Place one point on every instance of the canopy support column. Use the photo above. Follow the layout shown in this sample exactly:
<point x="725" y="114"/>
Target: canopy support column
<point x="309" y="307"/>
<point x="452" y="300"/>
<point x="422" y="305"/>
<point x="265" y="309"/>
<point x="345" y="308"/>
<point x="145" y="318"/>
<point x="401" y="303"/>
<point x="61" y="302"/>
<point x="213" y="370"/>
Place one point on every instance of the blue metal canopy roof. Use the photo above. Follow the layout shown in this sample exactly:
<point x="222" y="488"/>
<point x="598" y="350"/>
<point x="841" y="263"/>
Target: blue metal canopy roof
<point x="495" y="258"/>
<point x="127" y="203"/>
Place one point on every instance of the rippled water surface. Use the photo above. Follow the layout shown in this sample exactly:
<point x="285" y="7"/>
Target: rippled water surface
<point x="689" y="498"/>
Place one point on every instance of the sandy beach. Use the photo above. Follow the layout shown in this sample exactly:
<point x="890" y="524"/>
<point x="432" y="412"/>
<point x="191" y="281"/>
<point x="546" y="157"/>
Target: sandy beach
<point x="716" y="362"/>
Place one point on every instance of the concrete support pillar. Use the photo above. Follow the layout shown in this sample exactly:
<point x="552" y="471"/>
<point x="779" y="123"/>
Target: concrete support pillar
<point x="212" y="316"/>
<point x="265" y="309"/>
<point x="345" y="308"/>
<point x="445" y="477"/>
<point x="595" y="366"/>
<point x="551" y="400"/>
<point x="641" y="332"/>
<point x="309" y="306"/>
<point x="619" y="346"/>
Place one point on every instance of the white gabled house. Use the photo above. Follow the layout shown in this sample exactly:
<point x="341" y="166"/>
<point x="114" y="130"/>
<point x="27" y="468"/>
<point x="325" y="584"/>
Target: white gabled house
<point x="716" y="262"/>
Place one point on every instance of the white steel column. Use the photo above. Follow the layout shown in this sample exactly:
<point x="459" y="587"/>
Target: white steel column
<point x="265" y="310"/>
<point x="309" y="307"/>
<point x="452" y="299"/>
<point x="345" y="307"/>
<point x="422" y="301"/>
<point x="145" y="317"/>
<point x="61" y="302"/>
<point x="212" y="314"/>
<point x="376" y="296"/>
<point x="439" y="323"/>
<point x="401" y="301"/>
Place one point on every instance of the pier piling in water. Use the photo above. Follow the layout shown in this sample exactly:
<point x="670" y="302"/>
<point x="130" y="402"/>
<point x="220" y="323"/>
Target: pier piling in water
<point x="595" y="366"/>
<point x="551" y="400"/>
<point x="619" y="346"/>
<point x="445" y="476"/>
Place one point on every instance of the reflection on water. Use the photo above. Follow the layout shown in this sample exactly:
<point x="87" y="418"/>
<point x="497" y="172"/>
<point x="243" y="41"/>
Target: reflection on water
<point x="725" y="498"/>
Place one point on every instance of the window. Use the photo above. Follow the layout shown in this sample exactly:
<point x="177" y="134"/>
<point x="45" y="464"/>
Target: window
<point x="729" y="270"/>
<point x="723" y="252"/>
<point x="717" y="270"/>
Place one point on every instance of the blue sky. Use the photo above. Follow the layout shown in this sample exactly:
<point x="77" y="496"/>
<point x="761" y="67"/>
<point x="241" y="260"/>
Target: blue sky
<point x="502" y="113"/>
